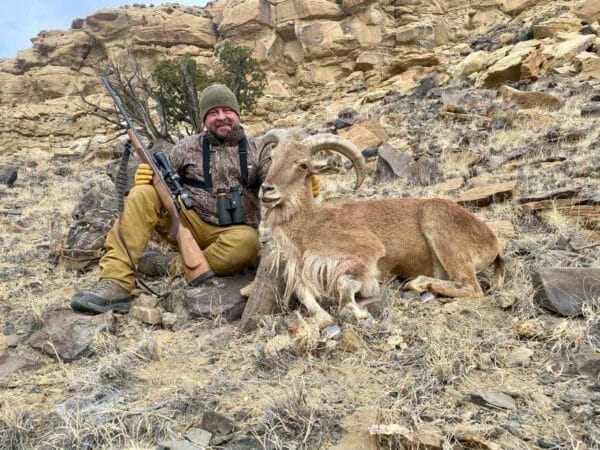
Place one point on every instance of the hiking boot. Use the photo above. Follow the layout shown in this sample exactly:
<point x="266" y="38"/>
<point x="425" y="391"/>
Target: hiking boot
<point x="157" y="264"/>
<point x="105" y="295"/>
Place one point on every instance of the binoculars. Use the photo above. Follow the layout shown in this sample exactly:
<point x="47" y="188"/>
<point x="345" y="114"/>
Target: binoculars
<point x="229" y="206"/>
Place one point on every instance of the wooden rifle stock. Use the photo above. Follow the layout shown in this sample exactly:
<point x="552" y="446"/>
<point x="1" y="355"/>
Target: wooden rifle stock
<point x="195" y="266"/>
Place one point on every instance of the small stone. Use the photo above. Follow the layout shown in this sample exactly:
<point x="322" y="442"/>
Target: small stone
<point x="342" y="123"/>
<point x="216" y="423"/>
<point x="169" y="320"/>
<point x="409" y="295"/>
<point x="588" y="363"/>
<point x="369" y="153"/>
<point x="529" y="100"/>
<point x="177" y="445"/>
<point x="277" y="344"/>
<point x="199" y="437"/>
<point x="425" y="297"/>
<point x="150" y="316"/>
<point x="243" y="443"/>
<point x="8" y="175"/>
<point x="493" y="399"/>
<point x="392" y="164"/>
<point x="346" y="315"/>
<point x="590" y="110"/>
<point x="146" y="301"/>
<point x="529" y="329"/>
<point x="332" y="332"/>
<point x="426" y="171"/>
<point x="582" y="412"/>
<point x="519" y="357"/>
<point x="9" y="341"/>
<point x="222" y="299"/>
<point x="351" y="342"/>
<point x="395" y="342"/>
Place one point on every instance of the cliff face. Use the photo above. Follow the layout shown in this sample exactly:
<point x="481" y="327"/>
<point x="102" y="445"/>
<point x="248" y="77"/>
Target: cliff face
<point x="314" y="50"/>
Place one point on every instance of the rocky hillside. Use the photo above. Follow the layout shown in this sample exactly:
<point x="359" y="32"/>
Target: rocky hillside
<point x="320" y="54"/>
<point x="493" y="103"/>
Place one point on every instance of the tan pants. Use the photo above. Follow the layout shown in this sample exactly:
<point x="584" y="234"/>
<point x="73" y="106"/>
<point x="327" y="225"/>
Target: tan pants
<point x="227" y="249"/>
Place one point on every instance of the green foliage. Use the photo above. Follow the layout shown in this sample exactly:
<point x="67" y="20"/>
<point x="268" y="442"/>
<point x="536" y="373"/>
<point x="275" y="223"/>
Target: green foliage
<point x="242" y="74"/>
<point x="177" y="86"/>
<point x="172" y="90"/>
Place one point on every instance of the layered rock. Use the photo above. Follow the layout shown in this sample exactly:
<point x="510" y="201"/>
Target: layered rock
<point x="316" y="50"/>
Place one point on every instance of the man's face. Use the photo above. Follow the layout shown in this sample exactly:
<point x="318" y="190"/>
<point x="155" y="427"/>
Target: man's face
<point x="221" y="120"/>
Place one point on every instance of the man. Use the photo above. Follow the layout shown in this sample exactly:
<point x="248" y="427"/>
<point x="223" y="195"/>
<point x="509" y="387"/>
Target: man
<point x="233" y="162"/>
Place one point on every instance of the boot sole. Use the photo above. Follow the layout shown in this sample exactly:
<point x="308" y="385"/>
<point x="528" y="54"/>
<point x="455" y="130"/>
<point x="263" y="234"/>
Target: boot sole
<point x="88" y="306"/>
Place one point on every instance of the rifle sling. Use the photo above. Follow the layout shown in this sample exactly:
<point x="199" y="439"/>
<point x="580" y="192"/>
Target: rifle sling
<point x="207" y="184"/>
<point x="121" y="178"/>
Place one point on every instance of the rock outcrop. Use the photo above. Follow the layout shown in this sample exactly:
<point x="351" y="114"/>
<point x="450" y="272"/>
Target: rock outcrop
<point x="318" y="50"/>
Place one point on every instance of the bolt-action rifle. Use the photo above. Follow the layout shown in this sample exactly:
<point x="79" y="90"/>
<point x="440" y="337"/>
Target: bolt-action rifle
<point x="195" y="267"/>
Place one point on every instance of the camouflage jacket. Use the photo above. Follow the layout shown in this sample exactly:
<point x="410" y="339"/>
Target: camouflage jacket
<point x="186" y="159"/>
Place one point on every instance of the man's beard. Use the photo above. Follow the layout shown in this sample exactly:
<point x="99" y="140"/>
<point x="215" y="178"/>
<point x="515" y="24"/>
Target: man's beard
<point x="231" y="136"/>
<point x="219" y="123"/>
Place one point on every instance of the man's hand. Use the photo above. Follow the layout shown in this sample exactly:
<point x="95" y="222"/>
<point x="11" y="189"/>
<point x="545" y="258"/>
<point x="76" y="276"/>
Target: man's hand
<point x="316" y="187"/>
<point x="143" y="174"/>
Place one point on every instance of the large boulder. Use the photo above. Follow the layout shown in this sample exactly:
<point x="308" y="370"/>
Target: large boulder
<point x="474" y="62"/>
<point x="528" y="100"/>
<point x="15" y="88"/>
<point x="409" y="56"/>
<point x="327" y="38"/>
<point x="514" y="7"/>
<point x="287" y="11"/>
<point x="57" y="47"/>
<point x="354" y="6"/>
<point x="246" y="17"/>
<point x="551" y="28"/>
<point x="59" y="81"/>
<point x="420" y="32"/>
<point x="164" y="26"/>
<point x="571" y="45"/>
<point x="587" y="10"/>
<point x="524" y="60"/>
<point x="588" y="65"/>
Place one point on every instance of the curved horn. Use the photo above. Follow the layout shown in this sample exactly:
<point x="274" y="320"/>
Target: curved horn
<point x="341" y="145"/>
<point x="274" y="136"/>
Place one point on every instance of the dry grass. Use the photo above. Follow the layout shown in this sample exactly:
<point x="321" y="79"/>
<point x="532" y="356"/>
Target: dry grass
<point x="17" y="427"/>
<point x="299" y="420"/>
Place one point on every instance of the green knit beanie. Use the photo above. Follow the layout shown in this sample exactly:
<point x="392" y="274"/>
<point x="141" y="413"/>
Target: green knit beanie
<point x="217" y="95"/>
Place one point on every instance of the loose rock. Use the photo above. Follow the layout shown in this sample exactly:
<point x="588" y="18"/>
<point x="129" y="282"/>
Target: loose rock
<point x="10" y="364"/>
<point x="68" y="335"/>
<point x="223" y="300"/>
<point x="8" y="175"/>
<point x="565" y="290"/>
<point x="150" y="316"/>
<point x="519" y="357"/>
<point x="493" y="399"/>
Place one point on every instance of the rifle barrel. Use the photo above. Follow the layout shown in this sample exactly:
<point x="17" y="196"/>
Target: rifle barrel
<point x="120" y="107"/>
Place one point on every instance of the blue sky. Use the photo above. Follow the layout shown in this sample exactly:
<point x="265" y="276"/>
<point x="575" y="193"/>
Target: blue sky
<point x="20" y="20"/>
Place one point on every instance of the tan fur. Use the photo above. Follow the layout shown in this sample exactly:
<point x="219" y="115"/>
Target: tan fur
<point x="339" y="251"/>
